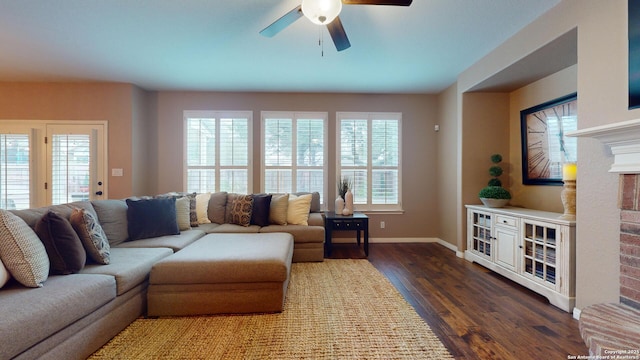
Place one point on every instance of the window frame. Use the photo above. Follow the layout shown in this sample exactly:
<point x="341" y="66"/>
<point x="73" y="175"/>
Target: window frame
<point x="217" y="115"/>
<point x="370" y="117"/>
<point x="295" y="116"/>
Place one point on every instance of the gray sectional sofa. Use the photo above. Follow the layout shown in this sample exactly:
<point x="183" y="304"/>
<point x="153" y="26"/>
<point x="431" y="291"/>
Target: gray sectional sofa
<point x="73" y="315"/>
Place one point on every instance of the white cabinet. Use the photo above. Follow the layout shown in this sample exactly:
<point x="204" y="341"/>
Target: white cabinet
<point x="533" y="248"/>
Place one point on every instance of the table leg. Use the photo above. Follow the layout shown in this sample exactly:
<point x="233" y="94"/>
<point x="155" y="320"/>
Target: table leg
<point x="366" y="240"/>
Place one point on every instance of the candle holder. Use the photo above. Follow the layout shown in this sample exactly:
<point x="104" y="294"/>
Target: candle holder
<point x="568" y="196"/>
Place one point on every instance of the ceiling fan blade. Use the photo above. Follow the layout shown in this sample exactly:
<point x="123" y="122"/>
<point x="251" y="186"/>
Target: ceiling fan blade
<point x="286" y="20"/>
<point x="378" y="2"/>
<point x="338" y="34"/>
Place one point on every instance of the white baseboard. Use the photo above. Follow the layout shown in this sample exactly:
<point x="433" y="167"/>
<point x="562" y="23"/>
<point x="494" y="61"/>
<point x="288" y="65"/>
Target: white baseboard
<point x="576" y="313"/>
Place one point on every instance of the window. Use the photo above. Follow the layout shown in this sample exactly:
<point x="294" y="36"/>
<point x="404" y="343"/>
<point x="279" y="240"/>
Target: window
<point x="218" y="151"/>
<point x="369" y="154"/>
<point x="294" y="150"/>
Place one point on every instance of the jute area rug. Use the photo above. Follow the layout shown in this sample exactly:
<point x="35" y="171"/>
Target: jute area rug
<point x="337" y="309"/>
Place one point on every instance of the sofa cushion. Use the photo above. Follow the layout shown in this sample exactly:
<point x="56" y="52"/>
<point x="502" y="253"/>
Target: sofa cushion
<point x="278" y="209"/>
<point x="202" y="206"/>
<point x="36" y="314"/>
<point x="182" y="213"/>
<point x="298" y="209"/>
<point x="174" y="242"/>
<point x="21" y="251"/>
<point x="112" y="215"/>
<point x="301" y="233"/>
<point x="91" y="235"/>
<point x="217" y="207"/>
<point x="260" y="211"/>
<point x="149" y="218"/>
<point x="4" y="274"/>
<point x="32" y="216"/>
<point x="64" y="248"/>
<point x="239" y="208"/>
<point x="129" y="266"/>
<point x="233" y="228"/>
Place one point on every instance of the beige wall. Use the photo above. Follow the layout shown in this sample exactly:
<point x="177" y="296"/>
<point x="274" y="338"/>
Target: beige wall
<point x="447" y="166"/>
<point x="79" y="101"/>
<point x="418" y="145"/>
<point x="545" y="198"/>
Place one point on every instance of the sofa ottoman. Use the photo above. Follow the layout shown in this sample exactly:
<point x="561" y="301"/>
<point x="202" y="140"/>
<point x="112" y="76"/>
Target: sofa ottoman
<point x="223" y="273"/>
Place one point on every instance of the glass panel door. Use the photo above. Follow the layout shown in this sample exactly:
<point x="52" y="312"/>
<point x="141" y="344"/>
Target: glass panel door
<point x="76" y="165"/>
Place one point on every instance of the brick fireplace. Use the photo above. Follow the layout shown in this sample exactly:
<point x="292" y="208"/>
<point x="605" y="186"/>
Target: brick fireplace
<point x="629" y="201"/>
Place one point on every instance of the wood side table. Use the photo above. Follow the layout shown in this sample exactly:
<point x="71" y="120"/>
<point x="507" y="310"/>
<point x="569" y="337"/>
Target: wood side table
<point x="357" y="222"/>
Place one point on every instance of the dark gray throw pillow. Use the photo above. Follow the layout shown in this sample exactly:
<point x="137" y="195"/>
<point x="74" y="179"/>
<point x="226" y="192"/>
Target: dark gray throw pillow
<point x="261" y="207"/>
<point x="147" y="218"/>
<point x="64" y="248"/>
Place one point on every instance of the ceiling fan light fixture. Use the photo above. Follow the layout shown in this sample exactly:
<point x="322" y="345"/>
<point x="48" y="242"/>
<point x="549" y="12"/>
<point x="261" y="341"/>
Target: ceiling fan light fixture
<point x="321" y="12"/>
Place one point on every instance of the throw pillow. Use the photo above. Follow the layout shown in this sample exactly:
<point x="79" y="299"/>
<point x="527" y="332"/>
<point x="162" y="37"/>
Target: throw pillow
<point x="4" y="274"/>
<point x="202" y="206"/>
<point x="239" y="208"/>
<point x="278" y="209"/>
<point x="63" y="246"/>
<point x="149" y="218"/>
<point x="217" y="207"/>
<point x="91" y="235"/>
<point x="298" y="210"/>
<point x="315" y="200"/>
<point x="112" y="215"/>
<point x="182" y="213"/>
<point x="261" y="206"/>
<point x="22" y="252"/>
<point x="193" y="215"/>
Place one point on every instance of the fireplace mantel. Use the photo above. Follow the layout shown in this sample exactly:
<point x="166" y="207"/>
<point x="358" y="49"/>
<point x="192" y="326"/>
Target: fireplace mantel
<point x="622" y="139"/>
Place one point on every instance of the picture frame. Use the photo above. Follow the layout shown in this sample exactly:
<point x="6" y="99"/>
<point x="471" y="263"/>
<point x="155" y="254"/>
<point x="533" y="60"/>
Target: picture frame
<point x="545" y="147"/>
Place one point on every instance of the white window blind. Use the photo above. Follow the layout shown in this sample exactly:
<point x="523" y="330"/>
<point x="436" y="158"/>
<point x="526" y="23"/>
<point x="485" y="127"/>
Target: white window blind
<point x="70" y="168"/>
<point x="369" y="155"/>
<point x="14" y="171"/>
<point x="218" y="151"/>
<point x="294" y="151"/>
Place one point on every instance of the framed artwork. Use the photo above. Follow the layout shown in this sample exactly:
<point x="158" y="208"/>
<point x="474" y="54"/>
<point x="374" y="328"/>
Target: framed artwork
<point x="544" y="144"/>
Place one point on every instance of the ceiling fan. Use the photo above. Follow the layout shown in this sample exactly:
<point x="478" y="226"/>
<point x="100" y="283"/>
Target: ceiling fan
<point x="325" y="12"/>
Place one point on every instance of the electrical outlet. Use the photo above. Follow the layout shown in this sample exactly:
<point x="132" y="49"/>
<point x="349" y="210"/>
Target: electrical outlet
<point x="381" y="224"/>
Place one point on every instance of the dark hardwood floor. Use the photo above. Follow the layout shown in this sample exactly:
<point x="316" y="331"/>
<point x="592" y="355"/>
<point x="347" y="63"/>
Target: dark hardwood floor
<point x="476" y="313"/>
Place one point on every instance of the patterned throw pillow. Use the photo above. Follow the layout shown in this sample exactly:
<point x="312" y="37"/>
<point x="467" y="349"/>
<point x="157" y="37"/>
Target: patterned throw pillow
<point x="92" y="236"/>
<point x="239" y="209"/>
<point x="22" y="251"/>
<point x="64" y="248"/>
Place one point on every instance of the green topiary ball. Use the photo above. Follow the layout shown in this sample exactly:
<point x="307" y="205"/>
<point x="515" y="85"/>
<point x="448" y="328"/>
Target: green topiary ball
<point x="495" y="182"/>
<point x="495" y="171"/>
<point x="496" y="158"/>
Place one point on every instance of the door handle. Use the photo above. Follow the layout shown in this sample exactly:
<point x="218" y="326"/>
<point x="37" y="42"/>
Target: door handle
<point x="98" y="192"/>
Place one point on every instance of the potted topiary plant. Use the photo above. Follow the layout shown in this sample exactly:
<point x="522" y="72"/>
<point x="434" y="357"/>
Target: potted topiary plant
<point x="494" y="195"/>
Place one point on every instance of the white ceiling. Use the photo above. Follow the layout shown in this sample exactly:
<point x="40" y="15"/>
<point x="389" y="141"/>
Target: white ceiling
<point x="214" y="44"/>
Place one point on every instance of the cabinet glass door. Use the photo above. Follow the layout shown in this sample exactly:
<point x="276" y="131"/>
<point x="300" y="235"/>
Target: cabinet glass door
<point x="540" y="244"/>
<point x="482" y="234"/>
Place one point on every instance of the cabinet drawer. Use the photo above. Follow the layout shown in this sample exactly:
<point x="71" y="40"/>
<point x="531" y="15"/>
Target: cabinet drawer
<point x="502" y="220"/>
<point x="348" y="225"/>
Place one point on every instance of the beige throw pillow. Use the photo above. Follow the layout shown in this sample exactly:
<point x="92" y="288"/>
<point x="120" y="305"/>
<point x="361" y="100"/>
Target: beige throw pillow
<point x="4" y="274"/>
<point x="278" y="209"/>
<point x="22" y="252"/>
<point x="298" y="210"/>
<point x="202" y="206"/>
<point x="182" y="213"/>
